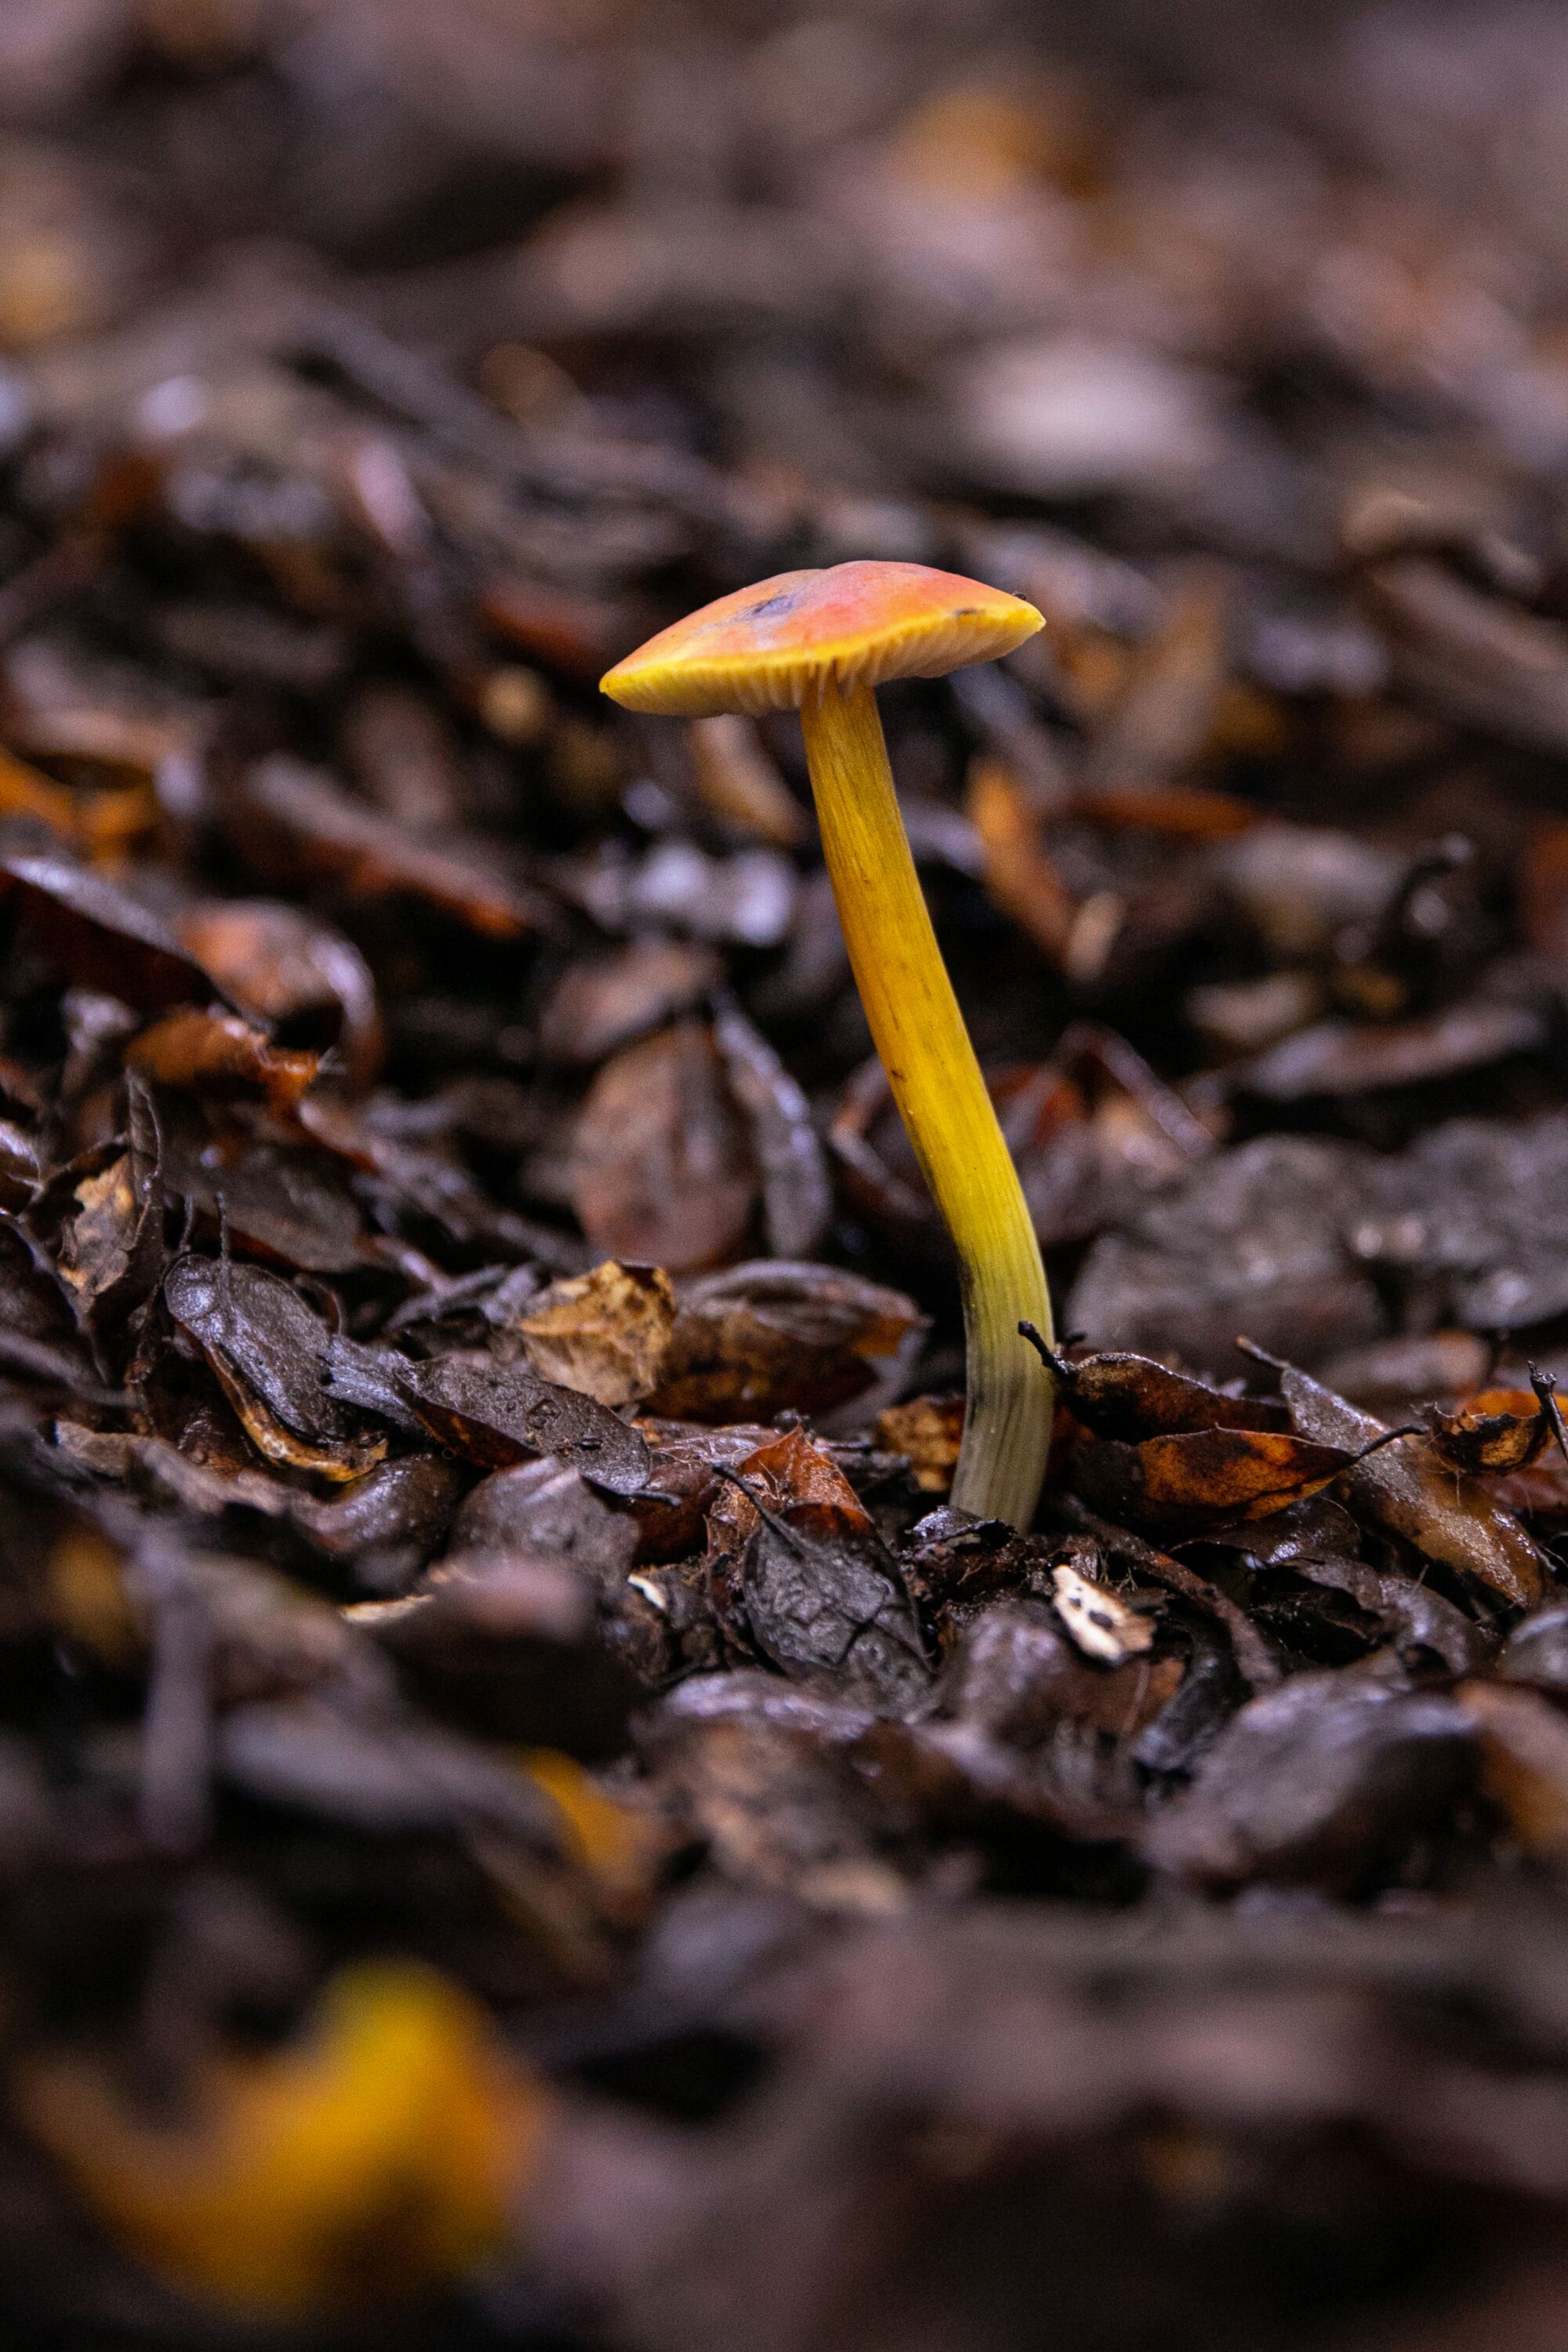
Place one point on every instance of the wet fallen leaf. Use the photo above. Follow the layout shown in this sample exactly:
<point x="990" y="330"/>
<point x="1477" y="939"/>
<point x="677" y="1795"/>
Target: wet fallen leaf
<point x="269" y="1353"/>
<point x="493" y="1415"/>
<point x="373" y="2158"/>
<point x="1180" y="1486"/>
<point x="1404" y="1486"/>
<point x="661" y="1171"/>
<point x="1312" y="1781"/>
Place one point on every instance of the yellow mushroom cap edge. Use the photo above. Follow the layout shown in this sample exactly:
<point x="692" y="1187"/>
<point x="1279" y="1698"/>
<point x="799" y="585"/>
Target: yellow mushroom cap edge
<point x="775" y="644"/>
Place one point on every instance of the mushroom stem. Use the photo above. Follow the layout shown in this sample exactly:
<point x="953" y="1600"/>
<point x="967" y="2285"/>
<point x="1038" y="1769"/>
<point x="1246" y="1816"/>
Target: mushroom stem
<point x="943" y="1100"/>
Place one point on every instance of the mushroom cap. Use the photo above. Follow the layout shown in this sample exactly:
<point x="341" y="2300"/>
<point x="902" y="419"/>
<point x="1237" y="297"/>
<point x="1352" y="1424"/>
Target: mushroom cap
<point x="774" y="646"/>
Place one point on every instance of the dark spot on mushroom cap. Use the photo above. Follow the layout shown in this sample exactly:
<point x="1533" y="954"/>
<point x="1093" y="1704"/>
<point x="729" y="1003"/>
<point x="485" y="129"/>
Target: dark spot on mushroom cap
<point x="784" y="602"/>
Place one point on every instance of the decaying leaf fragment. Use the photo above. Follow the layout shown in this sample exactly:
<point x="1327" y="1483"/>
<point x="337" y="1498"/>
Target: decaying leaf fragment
<point x="1446" y="1514"/>
<point x="929" y="1431"/>
<point x="820" y="1593"/>
<point x="366" y="2162"/>
<point x="771" y="1335"/>
<point x="213" y="1051"/>
<point x="1098" y="1620"/>
<point x="270" y="1354"/>
<point x="113" y="1246"/>
<point x="606" y="1332"/>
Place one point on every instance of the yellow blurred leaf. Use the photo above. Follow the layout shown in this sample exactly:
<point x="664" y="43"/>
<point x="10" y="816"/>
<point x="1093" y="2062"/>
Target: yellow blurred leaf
<point x="366" y="2161"/>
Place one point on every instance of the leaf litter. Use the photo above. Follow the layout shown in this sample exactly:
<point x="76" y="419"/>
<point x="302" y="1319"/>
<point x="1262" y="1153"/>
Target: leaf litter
<point x="526" y="1818"/>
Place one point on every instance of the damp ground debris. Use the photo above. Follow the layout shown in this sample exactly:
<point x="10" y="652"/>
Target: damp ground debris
<point x="528" y="1821"/>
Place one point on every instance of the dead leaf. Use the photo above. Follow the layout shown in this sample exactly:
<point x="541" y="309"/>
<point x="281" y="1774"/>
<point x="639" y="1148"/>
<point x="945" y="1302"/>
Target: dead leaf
<point x="1180" y="1486"/>
<point x="269" y="1353"/>
<point x="493" y="1415"/>
<point x="661" y="1171"/>
<point x="278" y="963"/>
<point x="371" y="2159"/>
<point x="1444" y="1513"/>
<point x="929" y="1431"/>
<point x="767" y="1336"/>
<point x="606" y="1332"/>
<point x="215" y="1052"/>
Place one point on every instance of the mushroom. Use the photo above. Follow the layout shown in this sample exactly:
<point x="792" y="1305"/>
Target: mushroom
<point x="821" y="643"/>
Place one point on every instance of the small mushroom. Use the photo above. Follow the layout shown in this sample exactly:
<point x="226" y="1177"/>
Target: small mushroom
<point x="821" y="643"/>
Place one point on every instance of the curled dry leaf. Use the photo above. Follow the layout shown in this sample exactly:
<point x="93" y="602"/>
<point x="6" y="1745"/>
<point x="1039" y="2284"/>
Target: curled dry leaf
<point x="606" y="1332"/>
<point x="215" y="1052"/>
<point x="661" y="1171"/>
<point x="768" y="1336"/>
<point x="1405" y="1488"/>
<point x="1500" y="1430"/>
<point x="278" y="964"/>
<point x="270" y="1354"/>
<point x="373" y="2158"/>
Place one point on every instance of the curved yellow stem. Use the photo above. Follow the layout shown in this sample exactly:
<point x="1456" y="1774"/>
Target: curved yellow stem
<point x="942" y="1098"/>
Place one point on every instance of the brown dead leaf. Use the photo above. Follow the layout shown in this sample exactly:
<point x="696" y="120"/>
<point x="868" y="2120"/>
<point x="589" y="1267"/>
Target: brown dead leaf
<point x="297" y="823"/>
<point x="1524" y="1761"/>
<point x="494" y="1416"/>
<point x="217" y="1053"/>
<point x="606" y="1002"/>
<point x="739" y="784"/>
<point x="929" y="1429"/>
<point x="277" y="962"/>
<point x="269" y="1352"/>
<point x="1173" y="1485"/>
<point x="1134" y="1397"/>
<point x="661" y="1170"/>
<point x="606" y="1332"/>
<point x="1500" y="1430"/>
<point x="1019" y="874"/>
<point x="1407" y="1488"/>
<point x="766" y="1336"/>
